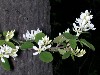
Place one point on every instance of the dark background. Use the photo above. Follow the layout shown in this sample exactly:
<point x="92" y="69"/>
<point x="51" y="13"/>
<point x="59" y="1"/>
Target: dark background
<point x="63" y="15"/>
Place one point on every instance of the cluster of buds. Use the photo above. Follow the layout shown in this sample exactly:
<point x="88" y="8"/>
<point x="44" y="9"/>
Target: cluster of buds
<point x="78" y="52"/>
<point x="83" y="23"/>
<point x="31" y="36"/>
<point x="9" y="35"/>
<point x="43" y="44"/>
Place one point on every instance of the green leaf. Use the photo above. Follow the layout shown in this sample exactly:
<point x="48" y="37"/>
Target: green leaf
<point x="66" y="55"/>
<point x="46" y="57"/>
<point x="86" y="43"/>
<point x="4" y="33"/>
<point x="59" y="39"/>
<point x="10" y="44"/>
<point x="2" y="42"/>
<point x="80" y="43"/>
<point x="39" y="37"/>
<point x="69" y="36"/>
<point x="5" y="65"/>
<point x="73" y="43"/>
<point x="26" y="45"/>
<point x="61" y="51"/>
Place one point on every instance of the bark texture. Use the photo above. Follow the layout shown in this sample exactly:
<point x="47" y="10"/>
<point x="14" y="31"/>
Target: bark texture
<point x="23" y="15"/>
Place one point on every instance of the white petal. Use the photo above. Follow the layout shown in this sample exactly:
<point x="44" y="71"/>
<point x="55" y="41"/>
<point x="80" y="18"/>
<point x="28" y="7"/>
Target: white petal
<point x="79" y="55"/>
<point x="7" y="56"/>
<point x="94" y="29"/>
<point x="48" y="46"/>
<point x="41" y="42"/>
<point x="59" y="33"/>
<point x="17" y="47"/>
<point x="36" y="53"/>
<point x="35" y="48"/>
<point x="23" y="35"/>
<point x="32" y="32"/>
<point x="14" y="55"/>
<point x="2" y="60"/>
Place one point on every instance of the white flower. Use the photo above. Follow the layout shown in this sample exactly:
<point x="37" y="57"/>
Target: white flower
<point x="14" y="51"/>
<point x="67" y="31"/>
<point x="2" y="60"/>
<point x="6" y="51"/>
<point x="46" y="40"/>
<point x="43" y="44"/>
<point x="83" y="23"/>
<point x="78" y="52"/>
<point x="37" y="31"/>
<point x="59" y="34"/>
<point x="82" y="52"/>
<point x="9" y="35"/>
<point x="39" y="50"/>
<point x="31" y="36"/>
<point x="28" y="35"/>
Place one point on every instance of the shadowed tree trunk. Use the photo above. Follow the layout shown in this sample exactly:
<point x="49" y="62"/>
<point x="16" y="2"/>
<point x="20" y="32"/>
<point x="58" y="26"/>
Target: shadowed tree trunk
<point x="23" y="15"/>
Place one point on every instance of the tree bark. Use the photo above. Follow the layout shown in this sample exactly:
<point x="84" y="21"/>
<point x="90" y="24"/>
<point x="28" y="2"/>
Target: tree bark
<point x="23" y="15"/>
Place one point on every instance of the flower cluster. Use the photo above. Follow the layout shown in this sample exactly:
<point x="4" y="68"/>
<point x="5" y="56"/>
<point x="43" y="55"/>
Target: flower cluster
<point x="78" y="52"/>
<point x="9" y="35"/>
<point x="83" y="23"/>
<point x="43" y="44"/>
<point x="6" y="51"/>
<point x="31" y="36"/>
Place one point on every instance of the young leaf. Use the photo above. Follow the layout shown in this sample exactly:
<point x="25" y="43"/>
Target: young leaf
<point x="39" y="37"/>
<point x="46" y="57"/>
<point x="59" y="39"/>
<point x="4" y="33"/>
<point x="61" y="51"/>
<point x="5" y="65"/>
<point x="86" y="43"/>
<point x="2" y="42"/>
<point x="26" y="45"/>
<point x="10" y="44"/>
<point x="69" y="36"/>
<point x="73" y="43"/>
<point x="66" y="55"/>
<point x="81" y="43"/>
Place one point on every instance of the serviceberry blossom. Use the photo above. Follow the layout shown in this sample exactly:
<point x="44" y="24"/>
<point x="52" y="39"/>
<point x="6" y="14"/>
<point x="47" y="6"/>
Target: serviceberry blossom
<point x="31" y="36"/>
<point x="78" y="52"/>
<point x="9" y="35"/>
<point x="66" y="31"/>
<point x="83" y="23"/>
<point x="43" y="44"/>
<point x="6" y="51"/>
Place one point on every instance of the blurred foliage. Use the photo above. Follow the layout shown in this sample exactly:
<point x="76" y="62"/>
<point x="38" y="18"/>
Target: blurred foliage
<point x="93" y="73"/>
